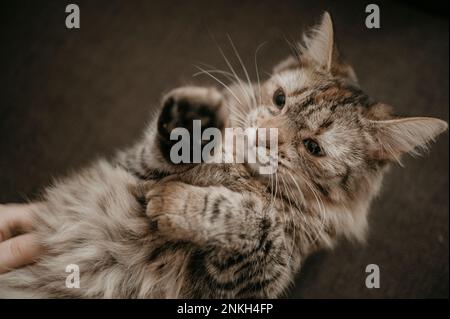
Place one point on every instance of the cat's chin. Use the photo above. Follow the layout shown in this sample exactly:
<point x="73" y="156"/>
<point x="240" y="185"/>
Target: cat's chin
<point x="262" y="164"/>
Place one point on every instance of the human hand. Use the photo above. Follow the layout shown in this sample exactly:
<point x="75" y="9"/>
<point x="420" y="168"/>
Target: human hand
<point x="18" y="247"/>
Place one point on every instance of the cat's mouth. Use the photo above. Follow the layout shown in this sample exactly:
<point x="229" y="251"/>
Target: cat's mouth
<point x="261" y="161"/>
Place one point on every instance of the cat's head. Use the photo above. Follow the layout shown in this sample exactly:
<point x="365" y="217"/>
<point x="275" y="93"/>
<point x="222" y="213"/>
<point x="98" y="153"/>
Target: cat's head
<point x="334" y="141"/>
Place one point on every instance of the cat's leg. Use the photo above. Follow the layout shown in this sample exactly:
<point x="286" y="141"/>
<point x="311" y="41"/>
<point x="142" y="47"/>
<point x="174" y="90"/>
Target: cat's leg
<point x="213" y="215"/>
<point x="240" y="245"/>
<point x="150" y="157"/>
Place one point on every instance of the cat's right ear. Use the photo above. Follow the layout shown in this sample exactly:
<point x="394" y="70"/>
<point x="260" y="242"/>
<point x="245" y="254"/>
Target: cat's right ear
<point x="395" y="137"/>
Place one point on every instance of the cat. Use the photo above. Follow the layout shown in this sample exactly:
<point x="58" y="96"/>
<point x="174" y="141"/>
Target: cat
<point x="141" y="227"/>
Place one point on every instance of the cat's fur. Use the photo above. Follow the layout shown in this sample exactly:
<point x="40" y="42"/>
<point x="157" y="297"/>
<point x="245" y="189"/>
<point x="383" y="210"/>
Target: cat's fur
<point x="141" y="227"/>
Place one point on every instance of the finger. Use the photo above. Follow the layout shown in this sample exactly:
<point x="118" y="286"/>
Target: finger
<point x="19" y="251"/>
<point x="14" y="219"/>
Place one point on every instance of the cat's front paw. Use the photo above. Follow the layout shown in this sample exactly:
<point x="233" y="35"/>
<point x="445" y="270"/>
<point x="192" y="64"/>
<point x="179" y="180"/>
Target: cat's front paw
<point x="166" y="203"/>
<point x="182" y="106"/>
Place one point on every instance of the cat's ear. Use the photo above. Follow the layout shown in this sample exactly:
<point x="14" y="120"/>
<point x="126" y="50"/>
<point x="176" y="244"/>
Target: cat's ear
<point x="318" y="43"/>
<point x="320" y="48"/>
<point x="317" y="47"/>
<point x="395" y="137"/>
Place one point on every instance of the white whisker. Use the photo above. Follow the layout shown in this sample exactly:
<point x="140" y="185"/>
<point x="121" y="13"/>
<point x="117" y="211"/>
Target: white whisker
<point x="233" y="70"/>
<point x="243" y="67"/>
<point x="257" y="71"/>
<point x="218" y="80"/>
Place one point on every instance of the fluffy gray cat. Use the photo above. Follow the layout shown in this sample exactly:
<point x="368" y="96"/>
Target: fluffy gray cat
<point x="142" y="227"/>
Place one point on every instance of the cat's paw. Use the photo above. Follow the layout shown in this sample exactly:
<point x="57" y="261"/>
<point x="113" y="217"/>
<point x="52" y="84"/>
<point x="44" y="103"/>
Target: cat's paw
<point x="184" y="105"/>
<point x="165" y="204"/>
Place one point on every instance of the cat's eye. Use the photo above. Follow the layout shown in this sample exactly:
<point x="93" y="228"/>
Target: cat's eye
<point x="279" y="98"/>
<point x="312" y="147"/>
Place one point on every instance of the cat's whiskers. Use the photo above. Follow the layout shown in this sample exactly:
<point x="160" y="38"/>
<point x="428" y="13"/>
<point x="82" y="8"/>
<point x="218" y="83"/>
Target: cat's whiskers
<point x="298" y="208"/>
<point x="306" y="222"/>
<point x="239" y="122"/>
<point x="244" y="69"/>
<point x="213" y="67"/>
<point x="238" y="112"/>
<point x="237" y="117"/>
<point x="271" y="190"/>
<point x="314" y="229"/>
<point x="231" y="77"/>
<point x="230" y="66"/>
<point x="238" y="109"/>
<point x="291" y="213"/>
<point x="318" y="200"/>
<point x="220" y="82"/>
<point x="275" y="191"/>
<point x="257" y="70"/>
<point x="282" y="207"/>
<point x="320" y="207"/>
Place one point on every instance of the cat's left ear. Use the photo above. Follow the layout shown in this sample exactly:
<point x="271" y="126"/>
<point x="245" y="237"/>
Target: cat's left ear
<point x="395" y="137"/>
<point x="320" y="48"/>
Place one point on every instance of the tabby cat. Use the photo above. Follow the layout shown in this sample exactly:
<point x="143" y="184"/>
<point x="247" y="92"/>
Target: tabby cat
<point x="142" y="227"/>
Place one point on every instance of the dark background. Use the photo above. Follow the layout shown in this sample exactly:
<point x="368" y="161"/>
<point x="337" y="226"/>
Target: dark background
<point x="69" y="96"/>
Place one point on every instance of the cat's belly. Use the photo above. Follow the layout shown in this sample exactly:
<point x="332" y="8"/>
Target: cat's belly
<point x="93" y="223"/>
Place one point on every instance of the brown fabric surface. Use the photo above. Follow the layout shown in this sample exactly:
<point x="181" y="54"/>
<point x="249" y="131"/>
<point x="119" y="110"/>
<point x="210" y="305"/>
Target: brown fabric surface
<point x="69" y="96"/>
